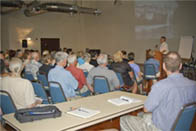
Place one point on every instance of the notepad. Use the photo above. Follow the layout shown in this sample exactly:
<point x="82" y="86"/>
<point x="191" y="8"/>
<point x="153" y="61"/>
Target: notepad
<point x="123" y="100"/>
<point x="83" y="112"/>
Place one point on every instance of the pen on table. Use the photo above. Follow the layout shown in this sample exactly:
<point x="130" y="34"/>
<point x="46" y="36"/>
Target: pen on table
<point x="83" y="110"/>
<point x="72" y="108"/>
<point x="125" y="99"/>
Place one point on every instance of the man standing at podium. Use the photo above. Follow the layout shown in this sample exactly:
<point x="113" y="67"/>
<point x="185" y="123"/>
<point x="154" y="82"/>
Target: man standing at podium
<point x="164" y="46"/>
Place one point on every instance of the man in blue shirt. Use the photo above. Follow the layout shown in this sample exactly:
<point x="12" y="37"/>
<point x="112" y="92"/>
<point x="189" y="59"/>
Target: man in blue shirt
<point x="62" y="76"/>
<point x="165" y="99"/>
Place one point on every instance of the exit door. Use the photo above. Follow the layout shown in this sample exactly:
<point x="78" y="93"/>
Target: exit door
<point x="50" y="44"/>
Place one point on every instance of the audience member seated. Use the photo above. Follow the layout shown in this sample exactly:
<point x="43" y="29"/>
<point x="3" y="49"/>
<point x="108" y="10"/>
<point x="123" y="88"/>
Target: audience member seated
<point x="80" y="55"/>
<point x="45" y="52"/>
<point x="19" y="54"/>
<point x="86" y="67"/>
<point x="124" y="55"/>
<point x="2" y="74"/>
<point x="125" y="70"/>
<point x="134" y="66"/>
<point x="78" y="74"/>
<point x="62" y="76"/>
<point x="165" y="99"/>
<point x="21" y="90"/>
<point x="153" y="61"/>
<point x="102" y="70"/>
<point x="27" y="57"/>
<point x="6" y="61"/>
<point x="69" y="51"/>
<point x="11" y="54"/>
<point x="2" y="69"/>
<point x="2" y="57"/>
<point x="34" y="65"/>
<point x="65" y="49"/>
<point x="45" y="68"/>
<point x="53" y="58"/>
<point x="93" y="60"/>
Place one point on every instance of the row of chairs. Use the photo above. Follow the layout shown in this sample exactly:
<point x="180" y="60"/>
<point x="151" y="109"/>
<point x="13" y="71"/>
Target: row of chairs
<point x="40" y="77"/>
<point x="101" y="84"/>
<point x="101" y="81"/>
<point x="183" y="120"/>
<point x="55" y="95"/>
<point x="55" y="88"/>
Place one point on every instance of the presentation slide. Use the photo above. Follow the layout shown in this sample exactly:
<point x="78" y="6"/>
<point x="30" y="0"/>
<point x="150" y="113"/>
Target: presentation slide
<point x="154" y="19"/>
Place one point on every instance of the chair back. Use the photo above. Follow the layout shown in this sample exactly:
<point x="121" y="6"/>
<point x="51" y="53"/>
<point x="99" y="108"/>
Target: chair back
<point x="100" y="84"/>
<point x="43" y="79"/>
<point x="6" y="102"/>
<point x="149" y="72"/>
<point x="28" y="76"/>
<point x="120" y="79"/>
<point x="86" y="73"/>
<point x="56" y="92"/>
<point x="40" y="91"/>
<point x="185" y="118"/>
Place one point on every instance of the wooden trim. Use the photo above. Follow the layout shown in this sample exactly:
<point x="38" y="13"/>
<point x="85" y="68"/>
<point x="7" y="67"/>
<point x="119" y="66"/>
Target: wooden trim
<point x="112" y="123"/>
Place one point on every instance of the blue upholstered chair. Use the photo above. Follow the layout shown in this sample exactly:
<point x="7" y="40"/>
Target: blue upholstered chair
<point x="100" y="84"/>
<point x="120" y="79"/>
<point x="28" y="76"/>
<point x="85" y="73"/>
<point x="40" y="91"/>
<point x="43" y="79"/>
<point x="185" y="118"/>
<point x="149" y="72"/>
<point x="56" y="92"/>
<point x="6" y="102"/>
<point x="149" y="75"/>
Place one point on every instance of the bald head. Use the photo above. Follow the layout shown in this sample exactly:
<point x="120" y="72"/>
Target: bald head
<point x="173" y="62"/>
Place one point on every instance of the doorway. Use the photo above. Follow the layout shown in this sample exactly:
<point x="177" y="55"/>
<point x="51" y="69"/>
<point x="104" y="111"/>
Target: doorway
<point x="50" y="44"/>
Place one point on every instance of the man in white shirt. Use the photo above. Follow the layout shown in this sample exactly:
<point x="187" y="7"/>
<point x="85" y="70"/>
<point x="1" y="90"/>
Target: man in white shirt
<point x="164" y="46"/>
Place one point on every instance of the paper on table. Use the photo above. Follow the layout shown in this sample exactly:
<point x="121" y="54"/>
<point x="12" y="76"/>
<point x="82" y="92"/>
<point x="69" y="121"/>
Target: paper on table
<point x="123" y="100"/>
<point x="83" y="112"/>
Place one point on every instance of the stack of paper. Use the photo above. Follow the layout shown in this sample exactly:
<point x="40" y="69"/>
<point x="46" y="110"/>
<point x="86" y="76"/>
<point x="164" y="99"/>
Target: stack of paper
<point x="83" y="112"/>
<point x="123" y="100"/>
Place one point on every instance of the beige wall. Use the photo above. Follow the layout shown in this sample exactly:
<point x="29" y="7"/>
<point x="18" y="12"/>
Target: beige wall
<point x="113" y="30"/>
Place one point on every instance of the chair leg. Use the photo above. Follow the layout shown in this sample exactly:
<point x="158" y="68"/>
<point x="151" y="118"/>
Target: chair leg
<point x="135" y="88"/>
<point x="147" y="87"/>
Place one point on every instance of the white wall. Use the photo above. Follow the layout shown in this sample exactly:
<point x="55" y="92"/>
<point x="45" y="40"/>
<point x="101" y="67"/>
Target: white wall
<point x="117" y="28"/>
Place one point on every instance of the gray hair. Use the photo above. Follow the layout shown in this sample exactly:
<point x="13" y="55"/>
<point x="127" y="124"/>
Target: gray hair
<point x="16" y="66"/>
<point x="45" y="52"/>
<point x="87" y="57"/>
<point x="34" y="55"/>
<point x="60" y="56"/>
<point x="102" y="59"/>
<point x="72" y="58"/>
